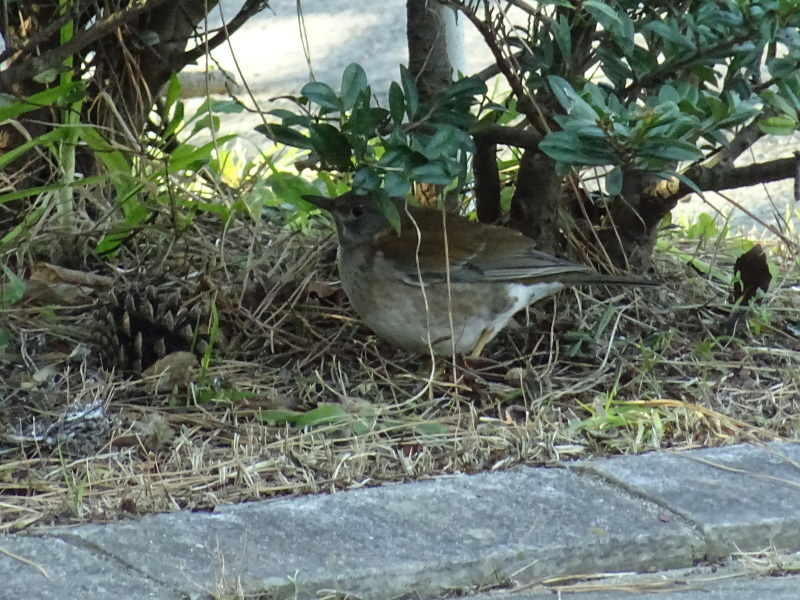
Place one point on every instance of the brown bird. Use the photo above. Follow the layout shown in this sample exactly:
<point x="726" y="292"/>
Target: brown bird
<point x="443" y="283"/>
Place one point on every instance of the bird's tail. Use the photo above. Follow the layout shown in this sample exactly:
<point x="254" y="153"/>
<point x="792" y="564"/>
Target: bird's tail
<point x="589" y="278"/>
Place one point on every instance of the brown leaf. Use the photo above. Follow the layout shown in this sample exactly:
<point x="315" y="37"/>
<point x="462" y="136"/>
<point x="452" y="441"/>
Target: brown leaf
<point x="52" y="274"/>
<point x="753" y="272"/>
<point x="515" y="415"/>
<point x="320" y="289"/>
<point x="51" y="284"/>
<point x="176" y="369"/>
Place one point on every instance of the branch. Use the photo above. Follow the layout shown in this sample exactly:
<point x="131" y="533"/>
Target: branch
<point x="742" y="140"/>
<point x="23" y="70"/>
<point x="508" y="136"/>
<point x="250" y="8"/>
<point x="30" y="45"/>
<point x="725" y="177"/>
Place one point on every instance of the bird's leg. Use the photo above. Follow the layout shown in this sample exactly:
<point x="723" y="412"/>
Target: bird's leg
<point x="486" y="335"/>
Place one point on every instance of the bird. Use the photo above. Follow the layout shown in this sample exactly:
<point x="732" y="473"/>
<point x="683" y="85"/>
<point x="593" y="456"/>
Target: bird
<point x="441" y="283"/>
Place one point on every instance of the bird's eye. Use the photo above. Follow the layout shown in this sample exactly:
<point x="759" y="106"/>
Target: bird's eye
<point x="356" y="211"/>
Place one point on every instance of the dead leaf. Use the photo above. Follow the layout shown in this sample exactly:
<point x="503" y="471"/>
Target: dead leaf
<point x="174" y="370"/>
<point x="753" y="274"/>
<point x="320" y="289"/>
<point x="52" y="274"/>
<point x="51" y="284"/>
<point x="515" y="415"/>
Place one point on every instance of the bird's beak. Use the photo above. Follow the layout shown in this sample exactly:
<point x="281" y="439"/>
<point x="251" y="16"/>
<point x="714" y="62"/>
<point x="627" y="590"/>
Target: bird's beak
<point x="320" y="202"/>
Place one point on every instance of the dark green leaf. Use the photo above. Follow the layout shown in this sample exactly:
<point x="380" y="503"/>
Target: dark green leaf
<point x="602" y="12"/>
<point x="670" y="149"/>
<point x="563" y="38"/>
<point x="331" y="145"/>
<point x="321" y="94"/>
<point x="614" y="181"/>
<point x="397" y="103"/>
<point x="387" y="208"/>
<point x="354" y="80"/>
<point x="570" y="150"/>
<point x="226" y="107"/>
<point x="281" y="134"/>
<point x="410" y="92"/>
<point x="281" y="113"/>
<point x="396" y="184"/>
<point x="366" y="180"/>
<point x="569" y="99"/>
<point x="468" y="87"/>
<point x="668" y="32"/>
<point x="431" y="173"/>
<point x="667" y="175"/>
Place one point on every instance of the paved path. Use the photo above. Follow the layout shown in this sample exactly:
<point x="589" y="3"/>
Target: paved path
<point x="642" y="514"/>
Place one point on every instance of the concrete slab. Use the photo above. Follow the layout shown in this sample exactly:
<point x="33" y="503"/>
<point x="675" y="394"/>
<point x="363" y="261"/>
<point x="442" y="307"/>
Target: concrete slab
<point x="50" y="568"/>
<point x="743" y="498"/>
<point x="418" y="538"/>
<point x="710" y="588"/>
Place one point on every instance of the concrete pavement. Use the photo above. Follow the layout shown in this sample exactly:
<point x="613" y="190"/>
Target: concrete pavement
<point x="517" y="528"/>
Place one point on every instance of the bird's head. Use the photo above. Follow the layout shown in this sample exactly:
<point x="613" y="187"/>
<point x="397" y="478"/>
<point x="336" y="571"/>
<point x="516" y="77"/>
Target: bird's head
<point x="358" y="218"/>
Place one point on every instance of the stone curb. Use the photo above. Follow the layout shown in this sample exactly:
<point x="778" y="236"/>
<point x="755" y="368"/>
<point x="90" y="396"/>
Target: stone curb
<point x="640" y="513"/>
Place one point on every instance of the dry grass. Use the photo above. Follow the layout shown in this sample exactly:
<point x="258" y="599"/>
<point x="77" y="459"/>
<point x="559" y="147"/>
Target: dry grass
<point x="598" y="372"/>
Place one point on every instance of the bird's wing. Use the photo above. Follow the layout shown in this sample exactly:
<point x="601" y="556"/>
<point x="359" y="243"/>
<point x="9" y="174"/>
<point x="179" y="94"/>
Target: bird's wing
<point x="476" y="252"/>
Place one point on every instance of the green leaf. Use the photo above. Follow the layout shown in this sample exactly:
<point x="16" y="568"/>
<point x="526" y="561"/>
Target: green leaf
<point x="324" y="414"/>
<point x="321" y="94"/>
<point x="778" y="125"/>
<point x="388" y="208"/>
<point x="563" y="38"/>
<point x="331" y="145"/>
<point x="669" y="174"/>
<point x="45" y="98"/>
<point x="279" y="417"/>
<point x="561" y="3"/>
<point x="366" y="180"/>
<point x="670" y="149"/>
<point x="599" y="10"/>
<point x="570" y="150"/>
<point x="467" y="87"/>
<point x="778" y="103"/>
<point x="281" y="134"/>
<point x="614" y="181"/>
<point x="431" y="173"/>
<point x="43" y="141"/>
<point x="668" y="32"/>
<point x="173" y="92"/>
<point x="11" y="292"/>
<point x="410" y="92"/>
<point x="397" y="103"/>
<point x="396" y="184"/>
<point x="573" y="104"/>
<point x="432" y="428"/>
<point x="226" y="107"/>
<point x="354" y="80"/>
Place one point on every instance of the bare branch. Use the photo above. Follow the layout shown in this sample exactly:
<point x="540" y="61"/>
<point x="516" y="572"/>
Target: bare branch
<point x="508" y="136"/>
<point x="249" y="8"/>
<point x="26" y="69"/>
<point x="725" y="177"/>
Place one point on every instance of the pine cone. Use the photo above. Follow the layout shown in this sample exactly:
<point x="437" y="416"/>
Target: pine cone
<point x="138" y="327"/>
